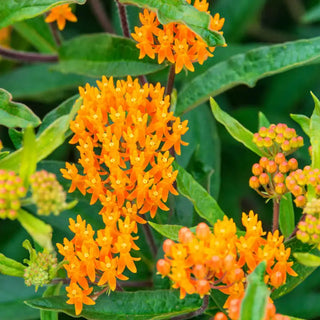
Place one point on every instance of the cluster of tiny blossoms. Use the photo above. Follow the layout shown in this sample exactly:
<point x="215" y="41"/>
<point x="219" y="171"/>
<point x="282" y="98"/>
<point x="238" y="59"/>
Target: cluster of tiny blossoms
<point x="309" y="228"/>
<point x="47" y="193"/>
<point x="124" y="133"/>
<point x="220" y="259"/>
<point x="11" y="191"/>
<point x="174" y="42"/>
<point x="61" y="14"/>
<point x="235" y="306"/>
<point x="270" y="174"/>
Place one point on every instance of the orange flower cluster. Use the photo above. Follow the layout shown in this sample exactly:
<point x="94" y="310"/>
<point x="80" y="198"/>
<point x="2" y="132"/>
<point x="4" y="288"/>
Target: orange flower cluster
<point x="97" y="260"/>
<point x="174" y="41"/>
<point x="124" y="133"/>
<point x="277" y="138"/>
<point x="298" y="181"/>
<point x="61" y="14"/>
<point x="234" y="311"/>
<point x="11" y="191"/>
<point x="309" y="229"/>
<point x="220" y="259"/>
<point x="269" y="175"/>
<point x="5" y="34"/>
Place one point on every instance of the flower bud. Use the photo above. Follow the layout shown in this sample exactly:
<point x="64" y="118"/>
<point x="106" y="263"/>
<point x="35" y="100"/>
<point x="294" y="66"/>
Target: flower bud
<point x="163" y="267"/>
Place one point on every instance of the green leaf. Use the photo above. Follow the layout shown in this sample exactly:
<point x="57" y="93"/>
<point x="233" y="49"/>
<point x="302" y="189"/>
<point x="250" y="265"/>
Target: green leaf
<point x="303" y="121"/>
<point x="263" y="120"/>
<point x="315" y="133"/>
<point x="302" y="270"/>
<point x="28" y="157"/>
<point x="16" y="137"/>
<point x="51" y="138"/>
<point x="254" y="303"/>
<point x="13" y="11"/>
<point x="63" y="109"/>
<point x="182" y="12"/>
<point x="247" y="69"/>
<point x="38" y="33"/>
<point x="170" y="231"/>
<point x="307" y="259"/>
<point x="206" y="206"/>
<point x="312" y="15"/>
<point x="13" y="114"/>
<point x="96" y="55"/>
<point x="140" y="305"/>
<point x="38" y="230"/>
<point x="43" y="85"/>
<point x="235" y="128"/>
<point x="50" y="291"/>
<point x="11" y="267"/>
<point x="286" y="215"/>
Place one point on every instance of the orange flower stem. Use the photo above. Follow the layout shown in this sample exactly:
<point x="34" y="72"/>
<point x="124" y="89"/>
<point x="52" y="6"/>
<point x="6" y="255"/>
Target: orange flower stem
<point x="150" y="239"/>
<point x="27" y="56"/>
<point x="126" y="30"/>
<point x="170" y="82"/>
<point x="275" y="222"/>
<point x="196" y="313"/>
<point x="99" y="12"/>
<point x="55" y="33"/>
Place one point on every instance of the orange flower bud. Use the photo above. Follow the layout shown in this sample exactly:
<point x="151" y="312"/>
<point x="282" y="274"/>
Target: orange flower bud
<point x="202" y="231"/>
<point x="228" y="262"/>
<point x="167" y="246"/>
<point x="300" y="201"/>
<point x="293" y="164"/>
<point x="199" y="271"/>
<point x="254" y="182"/>
<point x="285" y="145"/>
<point x="276" y="279"/>
<point x="257" y="169"/>
<point x="163" y="267"/>
<point x="280" y="188"/>
<point x="220" y="316"/>
<point x="263" y="132"/>
<point x="296" y="190"/>
<point x="263" y="162"/>
<point x="267" y="142"/>
<point x="279" y="158"/>
<point x="202" y="287"/>
<point x="284" y="167"/>
<point x="271" y="167"/>
<point x="264" y="179"/>
<point x="278" y="178"/>
<point x="185" y="235"/>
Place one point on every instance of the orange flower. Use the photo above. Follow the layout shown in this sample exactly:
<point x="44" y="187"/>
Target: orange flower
<point x="61" y="14"/>
<point x="174" y="42"/>
<point x="77" y="296"/>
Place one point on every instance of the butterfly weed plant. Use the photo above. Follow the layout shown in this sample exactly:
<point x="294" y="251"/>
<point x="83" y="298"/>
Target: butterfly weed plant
<point x="124" y="220"/>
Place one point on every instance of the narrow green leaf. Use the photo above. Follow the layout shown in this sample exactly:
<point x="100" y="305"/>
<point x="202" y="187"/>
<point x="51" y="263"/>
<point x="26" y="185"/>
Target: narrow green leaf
<point x="29" y="156"/>
<point x="38" y="33"/>
<point x="96" y="55"/>
<point x="51" y="138"/>
<point x="4" y="154"/>
<point x="13" y="114"/>
<point x="315" y="133"/>
<point x="312" y="15"/>
<point x="303" y="121"/>
<point x="235" y="128"/>
<point x="206" y="206"/>
<point x="38" y="230"/>
<point x="43" y="85"/>
<point x="302" y="270"/>
<point x="11" y="267"/>
<point x="286" y="215"/>
<point x="50" y="291"/>
<point x="182" y="12"/>
<point x="139" y="305"/>
<point x="263" y="120"/>
<point x="13" y="11"/>
<point x="247" y="68"/>
<point x="170" y="231"/>
<point x="307" y="259"/>
<point x="254" y="303"/>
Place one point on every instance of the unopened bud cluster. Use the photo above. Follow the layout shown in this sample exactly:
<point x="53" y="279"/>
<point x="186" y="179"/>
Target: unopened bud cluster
<point x="234" y="306"/>
<point x="47" y="193"/>
<point x="298" y="181"/>
<point x="309" y="229"/>
<point x="41" y="269"/>
<point x="269" y="175"/>
<point x="277" y="138"/>
<point x="11" y="191"/>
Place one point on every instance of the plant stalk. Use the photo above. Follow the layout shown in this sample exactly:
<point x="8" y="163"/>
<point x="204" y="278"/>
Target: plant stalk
<point x="99" y="12"/>
<point x="276" y="207"/>
<point x="24" y="56"/>
<point x="170" y="82"/>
